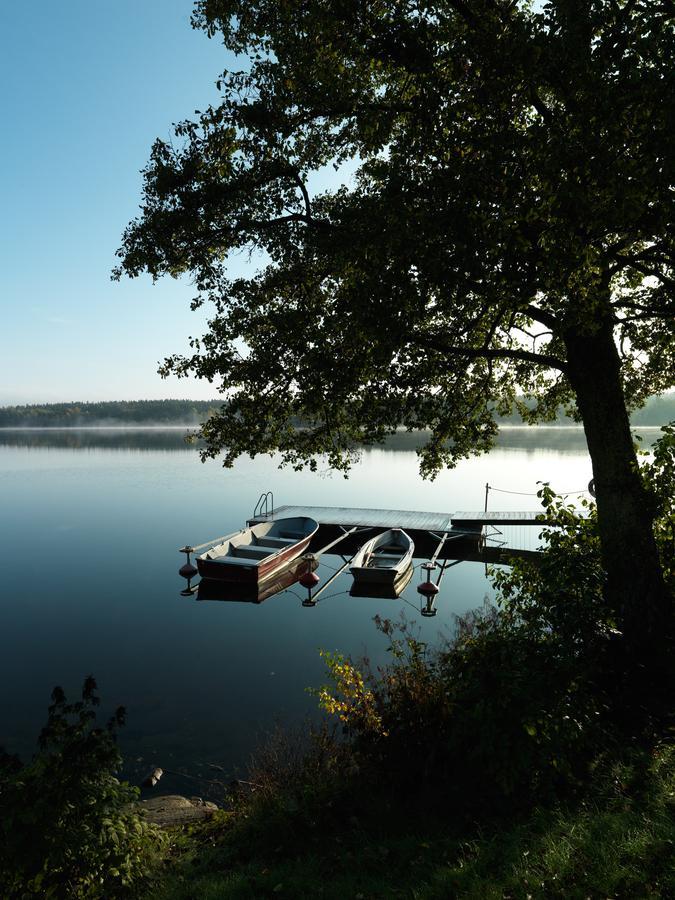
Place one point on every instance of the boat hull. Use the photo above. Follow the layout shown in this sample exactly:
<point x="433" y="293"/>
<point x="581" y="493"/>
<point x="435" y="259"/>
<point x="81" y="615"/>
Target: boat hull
<point x="367" y="573"/>
<point x="375" y="576"/>
<point x="252" y="574"/>
<point x="256" y="554"/>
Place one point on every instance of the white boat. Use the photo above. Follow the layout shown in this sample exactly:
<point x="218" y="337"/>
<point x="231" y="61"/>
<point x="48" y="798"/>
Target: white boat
<point x="384" y="558"/>
<point x="255" y="554"/>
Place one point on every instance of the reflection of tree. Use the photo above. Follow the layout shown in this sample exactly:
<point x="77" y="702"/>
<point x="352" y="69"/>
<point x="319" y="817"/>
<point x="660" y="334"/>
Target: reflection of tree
<point x="104" y="439"/>
<point x="562" y="440"/>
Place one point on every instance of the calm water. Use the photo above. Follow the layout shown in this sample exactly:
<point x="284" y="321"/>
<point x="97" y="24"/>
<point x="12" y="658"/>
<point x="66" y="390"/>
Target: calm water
<point x="90" y="523"/>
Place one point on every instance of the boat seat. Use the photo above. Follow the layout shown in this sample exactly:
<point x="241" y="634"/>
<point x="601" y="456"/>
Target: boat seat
<point x="227" y="560"/>
<point x="295" y="535"/>
<point x="377" y="555"/>
<point x="251" y="552"/>
<point x="269" y="541"/>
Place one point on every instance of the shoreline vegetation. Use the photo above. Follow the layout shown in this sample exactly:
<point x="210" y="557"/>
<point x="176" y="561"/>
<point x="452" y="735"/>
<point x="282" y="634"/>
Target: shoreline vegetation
<point x="120" y="414"/>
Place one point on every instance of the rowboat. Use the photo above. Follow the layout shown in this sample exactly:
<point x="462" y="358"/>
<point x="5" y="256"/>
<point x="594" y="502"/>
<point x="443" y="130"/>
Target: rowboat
<point x="255" y="554"/>
<point x="384" y="558"/>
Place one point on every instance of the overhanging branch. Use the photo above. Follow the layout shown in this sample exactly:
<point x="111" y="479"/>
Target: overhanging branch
<point x="540" y="315"/>
<point x="487" y="353"/>
<point x="630" y="262"/>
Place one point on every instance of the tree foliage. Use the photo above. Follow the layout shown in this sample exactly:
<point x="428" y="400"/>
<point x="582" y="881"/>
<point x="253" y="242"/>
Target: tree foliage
<point x="513" y="179"/>
<point x="66" y="823"/>
<point x="507" y="229"/>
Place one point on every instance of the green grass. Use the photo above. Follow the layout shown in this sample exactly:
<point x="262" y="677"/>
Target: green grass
<point x="617" y="840"/>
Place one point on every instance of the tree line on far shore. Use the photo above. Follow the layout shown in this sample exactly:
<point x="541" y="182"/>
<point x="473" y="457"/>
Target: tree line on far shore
<point x="111" y="412"/>
<point x="656" y="411"/>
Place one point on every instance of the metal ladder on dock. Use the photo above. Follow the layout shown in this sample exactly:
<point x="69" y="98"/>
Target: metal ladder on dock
<point x="264" y="506"/>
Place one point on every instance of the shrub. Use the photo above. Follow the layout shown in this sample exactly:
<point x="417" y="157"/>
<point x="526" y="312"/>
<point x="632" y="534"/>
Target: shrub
<point x="67" y="826"/>
<point x="524" y="697"/>
<point x="495" y="718"/>
<point x="515" y="705"/>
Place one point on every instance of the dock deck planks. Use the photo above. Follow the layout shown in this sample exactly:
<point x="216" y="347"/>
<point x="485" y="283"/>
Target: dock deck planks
<point x="409" y="520"/>
<point x="349" y="517"/>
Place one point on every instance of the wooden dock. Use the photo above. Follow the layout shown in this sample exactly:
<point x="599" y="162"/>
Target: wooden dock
<point x="464" y="529"/>
<point x="409" y="520"/>
<point x="348" y="517"/>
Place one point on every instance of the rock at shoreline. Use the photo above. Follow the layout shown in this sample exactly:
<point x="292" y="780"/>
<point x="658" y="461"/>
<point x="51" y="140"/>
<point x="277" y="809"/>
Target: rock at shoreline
<point x="172" y="809"/>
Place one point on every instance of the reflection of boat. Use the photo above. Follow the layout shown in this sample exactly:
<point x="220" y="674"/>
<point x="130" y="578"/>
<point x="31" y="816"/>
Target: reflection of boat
<point x="210" y="589"/>
<point x="384" y="591"/>
<point x="384" y="558"/>
<point x="253" y="555"/>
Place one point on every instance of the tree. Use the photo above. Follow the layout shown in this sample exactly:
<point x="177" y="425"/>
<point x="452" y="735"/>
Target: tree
<point x="508" y="229"/>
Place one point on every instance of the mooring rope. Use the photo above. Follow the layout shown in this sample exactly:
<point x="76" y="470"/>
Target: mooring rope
<point x="536" y="493"/>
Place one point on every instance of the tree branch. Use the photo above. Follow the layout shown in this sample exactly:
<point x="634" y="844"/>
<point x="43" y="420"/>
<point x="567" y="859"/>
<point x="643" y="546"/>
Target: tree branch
<point x="632" y="263"/>
<point x="540" y="359"/>
<point x="540" y="315"/>
<point x="291" y="217"/>
<point x="301" y="184"/>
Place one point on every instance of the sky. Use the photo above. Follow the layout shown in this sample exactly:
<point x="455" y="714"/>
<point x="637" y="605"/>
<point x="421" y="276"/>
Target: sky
<point x="85" y="88"/>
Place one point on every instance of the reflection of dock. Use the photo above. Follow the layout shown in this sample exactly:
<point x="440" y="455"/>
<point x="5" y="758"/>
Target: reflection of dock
<point x="472" y="519"/>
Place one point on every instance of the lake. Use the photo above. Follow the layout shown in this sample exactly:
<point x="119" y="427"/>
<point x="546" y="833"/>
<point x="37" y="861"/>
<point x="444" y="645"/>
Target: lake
<point x="90" y="524"/>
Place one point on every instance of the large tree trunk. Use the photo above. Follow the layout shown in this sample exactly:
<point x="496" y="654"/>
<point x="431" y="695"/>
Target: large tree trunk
<point x="635" y="585"/>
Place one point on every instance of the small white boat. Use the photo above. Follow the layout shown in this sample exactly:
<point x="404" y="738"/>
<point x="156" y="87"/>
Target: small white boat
<point x="384" y="558"/>
<point x="255" y="554"/>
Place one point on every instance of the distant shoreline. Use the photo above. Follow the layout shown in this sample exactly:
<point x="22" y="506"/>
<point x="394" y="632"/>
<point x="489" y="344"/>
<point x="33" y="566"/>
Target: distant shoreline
<point x="97" y="427"/>
<point x="542" y="426"/>
<point x="113" y="415"/>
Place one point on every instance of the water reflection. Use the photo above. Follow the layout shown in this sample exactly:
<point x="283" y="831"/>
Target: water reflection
<point x="382" y="591"/>
<point x="229" y="592"/>
<point x="563" y="439"/>
<point x="90" y="522"/>
<point x="146" y="439"/>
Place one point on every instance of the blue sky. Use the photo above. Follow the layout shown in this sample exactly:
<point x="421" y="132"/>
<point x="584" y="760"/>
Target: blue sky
<point x="86" y="87"/>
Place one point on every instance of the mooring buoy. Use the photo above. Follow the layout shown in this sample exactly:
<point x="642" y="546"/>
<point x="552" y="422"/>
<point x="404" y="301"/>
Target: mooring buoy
<point x="428" y="589"/>
<point x="188" y="570"/>
<point x="309" y="580"/>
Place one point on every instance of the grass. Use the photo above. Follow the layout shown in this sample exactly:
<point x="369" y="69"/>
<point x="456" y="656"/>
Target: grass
<point x="616" y="840"/>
